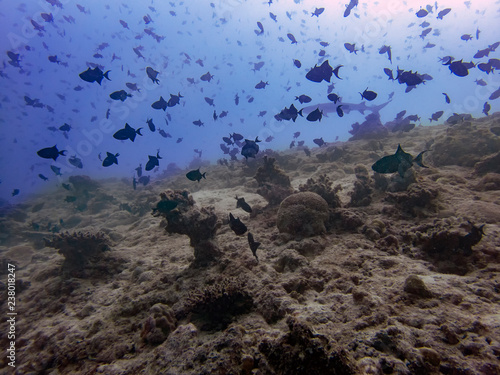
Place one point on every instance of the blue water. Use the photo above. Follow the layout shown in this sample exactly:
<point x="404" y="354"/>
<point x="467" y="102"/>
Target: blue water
<point x="222" y="36"/>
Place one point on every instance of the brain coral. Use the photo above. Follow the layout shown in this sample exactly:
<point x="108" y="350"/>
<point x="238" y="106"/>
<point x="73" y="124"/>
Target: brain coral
<point x="303" y="214"/>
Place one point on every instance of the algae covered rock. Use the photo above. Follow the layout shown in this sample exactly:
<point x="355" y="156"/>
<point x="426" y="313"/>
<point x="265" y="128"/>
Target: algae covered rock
<point x="303" y="214"/>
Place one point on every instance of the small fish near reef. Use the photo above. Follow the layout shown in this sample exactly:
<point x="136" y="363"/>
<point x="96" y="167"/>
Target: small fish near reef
<point x="250" y="149"/>
<point x="236" y="225"/>
<point x="254" y="245"/>
<point x="240" y="203"/>
<point x="195" y="175"/>
<point x="399" y="162"/>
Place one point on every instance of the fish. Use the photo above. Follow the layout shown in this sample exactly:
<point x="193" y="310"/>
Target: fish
<point x="351" y="48"/>
<point x="399" y="162"/>
<point x="303" y="99"/>
<point x="349" y="7"/>
<point x="223" y="114"/>
<point x="151" y="125"/>
<point x="94" y="75"/>
<point x="65" y="128"/>
<point x="273" y="17"/>
<point x="237" y="137"/>
<point x="152" y="74"/>
<point x="209" y="101"/>
<point x="422" y="13"/>
<point x="481" y="82"/>
<point x="51" y="153"/>
<point x="261" y="85"/>
<point x="319" y="141"/>
<point x="164" y="134"/>
<point x="436" y="116"/>
<point x="292" y="38"/>
<point x="317" y="12"/>
<point x="198" y="123"/>
<point x="250" y="148"/>
<point x="127" y="133"/>
<point x="386" y="49"/>
<point x="56" y="170"/>
<point x="119" y="95"/>
<point x="132" y="86"/>
<point x="257" y="66"/>
<point x="368" y="95"/>
<point x="458" y="68"/>
<point x="289" y="113"/>
<point x="297" y="63"/>
<point x="165" y="205"/>
<point x="153" y="161"/>
<point x="15" y="192"/>
<point x="315" y="115"/>
<point x="495" y="94"/>
<point x="174" y="100"/>
<point x="261" y="29"/>
<point x="207" y="77"/>
<point x="340" y="112"/>
<point x="236" y="225"/>
<point x="447" y="98"/>
<point x="334" y="98"/>
<point x="214" y="116"/>
<point x="236" y="99"/>
<point x="76" y="162"/>
<point x="240" y="203"/>
<point x="195" y="175"/>
<point x="320" y="73"/>
<point x="443" y="13"/>
<point x="466" y="37"/>
<point x="254" y="245"/>
<point x="296" y="135"/>
<point x="160" y="104"/>
<point x="110" y="159"/>
<point x="47" y="17"/>
<point x="486" y="108"/>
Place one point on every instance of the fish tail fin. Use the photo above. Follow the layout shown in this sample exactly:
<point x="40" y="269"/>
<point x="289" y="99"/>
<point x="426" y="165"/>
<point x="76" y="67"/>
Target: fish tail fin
<point x="62" y="152"/>
<point x="203" y="175"/>
<point x="300" y="113"/>
<point x="106" y="75"/>
<point x="419" y="160"/>
<point x="362" y="97"/>
<point x="138" y="131"/>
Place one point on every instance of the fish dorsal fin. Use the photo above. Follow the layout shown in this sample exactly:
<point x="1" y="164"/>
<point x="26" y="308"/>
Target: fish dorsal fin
<point x="399" y="150"/>
<point x="109" y="154"/>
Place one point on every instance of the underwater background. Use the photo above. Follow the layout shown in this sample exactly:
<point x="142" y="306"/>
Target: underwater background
<point x="55" y="41"/>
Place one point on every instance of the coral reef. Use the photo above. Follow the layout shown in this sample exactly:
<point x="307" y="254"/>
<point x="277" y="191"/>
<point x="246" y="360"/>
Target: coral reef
<point x="216" y="305"/>
<point x="159" y="324"/>
<point x="323" y="187"/>
<point x="200" y="225"/>
<point x="488" y="164"/>
<point x="83" y="184"/>
<point x="416" y="201"/>
<point x="303" y="214"/>
<point x="448" y="248"/>
<point x="302" y="351"/>
<point x="371" y="128"/>
<point x="361" y="196"/>
<point x="465" y="145"/>
<point x="274" y="184"/>
<point x="83" y="252"/>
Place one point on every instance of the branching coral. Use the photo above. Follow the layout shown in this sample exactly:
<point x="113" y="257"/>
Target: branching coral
<point x="274" y="184"/>
<point x="323" y="187"/>
<point x="200" y="225"/>
<point x="215" y="306"/>
<point x="361" y="196"/>
<point x="80" y="250"/>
